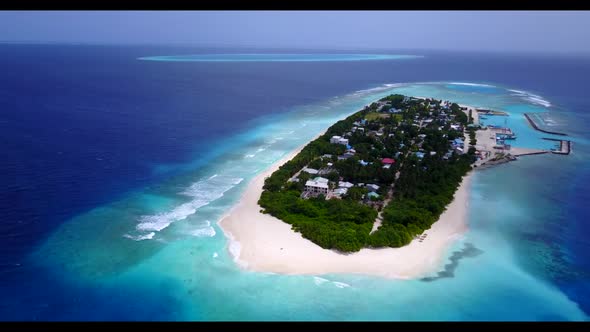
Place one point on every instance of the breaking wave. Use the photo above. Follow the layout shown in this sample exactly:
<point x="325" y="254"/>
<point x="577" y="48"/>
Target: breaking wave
<point x="202" y="193"/>
<point x="140" y="237"/>
<point x="473" y="84"/>
<point x="340" y="284"/>
<point x="204" y="231"/>
<point x="530" y="97"/>
<point x="318" y="281"/>
<point x="234" y="249"/>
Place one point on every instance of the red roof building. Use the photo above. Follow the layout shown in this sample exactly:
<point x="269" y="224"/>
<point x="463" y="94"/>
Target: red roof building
<point x="387" y="161"/>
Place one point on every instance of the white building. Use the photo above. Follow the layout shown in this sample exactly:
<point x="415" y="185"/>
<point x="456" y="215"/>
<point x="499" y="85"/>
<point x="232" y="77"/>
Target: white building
<point x="343" y="184"/>
<point x="318" y="185"/>
<point x="311" y="171"/>
<point x="372" y="187"/>
<point x="340" y="191"/>
<point x="338" y="140"/>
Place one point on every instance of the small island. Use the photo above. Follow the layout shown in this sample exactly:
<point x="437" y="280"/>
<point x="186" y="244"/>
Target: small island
<point x="378" y="178"/>
<point x="383" y="192"/>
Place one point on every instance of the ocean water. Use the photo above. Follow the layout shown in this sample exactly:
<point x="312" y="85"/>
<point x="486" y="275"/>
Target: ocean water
<point x="117" y="171"/>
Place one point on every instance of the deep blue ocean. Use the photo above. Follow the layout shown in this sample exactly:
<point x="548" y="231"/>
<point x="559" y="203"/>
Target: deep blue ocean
<point x="94" y="139"/>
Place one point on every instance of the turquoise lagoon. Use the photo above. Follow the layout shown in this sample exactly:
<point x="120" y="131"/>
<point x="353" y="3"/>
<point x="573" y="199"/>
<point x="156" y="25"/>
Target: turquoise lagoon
<point x="162" y="244"/>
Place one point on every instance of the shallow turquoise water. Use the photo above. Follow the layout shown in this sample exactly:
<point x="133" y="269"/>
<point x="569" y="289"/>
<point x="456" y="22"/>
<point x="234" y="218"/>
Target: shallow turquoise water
<point x="165" y="239"/>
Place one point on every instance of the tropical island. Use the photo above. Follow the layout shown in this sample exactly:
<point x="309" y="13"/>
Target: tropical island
<point x="378" y="178"/>
<point x="381" y="192"/>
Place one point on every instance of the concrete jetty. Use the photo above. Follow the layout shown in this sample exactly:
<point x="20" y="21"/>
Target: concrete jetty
<point x="526" y="152"/>
<point x="539" y="129"/>
<point x="565" y="146"/>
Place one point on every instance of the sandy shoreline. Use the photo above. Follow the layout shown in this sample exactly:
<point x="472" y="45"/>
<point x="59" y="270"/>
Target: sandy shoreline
<point x="263" y="243"/>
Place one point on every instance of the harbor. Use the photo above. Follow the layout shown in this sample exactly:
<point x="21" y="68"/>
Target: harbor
<point x="564" y="146"/>
<point x="494" y="143"/>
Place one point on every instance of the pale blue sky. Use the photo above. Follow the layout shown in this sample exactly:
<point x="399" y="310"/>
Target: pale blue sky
<point x="562" y="31"/>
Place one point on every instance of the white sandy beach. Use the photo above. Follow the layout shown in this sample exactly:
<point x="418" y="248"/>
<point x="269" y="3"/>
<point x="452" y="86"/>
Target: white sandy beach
<point x="269" y="245"/>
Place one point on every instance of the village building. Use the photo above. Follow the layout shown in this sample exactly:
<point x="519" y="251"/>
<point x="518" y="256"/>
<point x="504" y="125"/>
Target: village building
<point x="372" y="187"/>
<point x="340" y="191"/>
<point x="346" y="156"/>
<point x="317" y="186"/>
<point x="339" y="140"/>
<point x="343" y="184"/>
<point x="311" y="171"/>
<point x="387" y="161"/>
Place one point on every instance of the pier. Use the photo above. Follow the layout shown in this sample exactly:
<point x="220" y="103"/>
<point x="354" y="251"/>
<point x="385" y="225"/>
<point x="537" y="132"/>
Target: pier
<point x="565" y="146"/>
<point x="526" y="152"/>
<point x="490" y="112"/>
<point x="542" y="130"/>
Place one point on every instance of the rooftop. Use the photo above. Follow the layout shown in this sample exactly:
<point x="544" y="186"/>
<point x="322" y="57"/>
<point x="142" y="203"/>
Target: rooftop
<point x="318" y="182"/>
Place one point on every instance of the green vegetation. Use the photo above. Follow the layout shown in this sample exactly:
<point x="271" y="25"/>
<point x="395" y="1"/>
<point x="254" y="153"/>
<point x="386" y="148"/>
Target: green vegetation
<point x="417" y="138"/>
<point x="472" y="139"/>
<point x="375" y="116"/>
<point x="422" y="194"/>
<point x="339" y="224"/>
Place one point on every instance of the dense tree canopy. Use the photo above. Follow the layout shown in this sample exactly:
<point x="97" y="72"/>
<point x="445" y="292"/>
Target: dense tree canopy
<point x="425" y="187"/>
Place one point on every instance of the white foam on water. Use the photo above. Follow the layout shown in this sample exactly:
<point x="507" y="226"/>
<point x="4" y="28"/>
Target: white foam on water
<point x="383" y="87"/>
<point x="212" y="189"/>
<point x="538" y="100"/>
<point x="249" y="156"/>
<point x="160" y="221"/>
<point x="530" y="97"/>
<point x="213" y="176"/>
<point x="148" y="236"/>
<point x="340" y="284"/>
<point x="202" y="193"/>
<point x="203" y="232"/>
<point x="215" y="255"/>
<point x="318" y="281"/>
<point x="235" y="249"/>
<point x="394" y="85"/>
<point x="473" y="84"/>
<point x="518" y="91"/>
